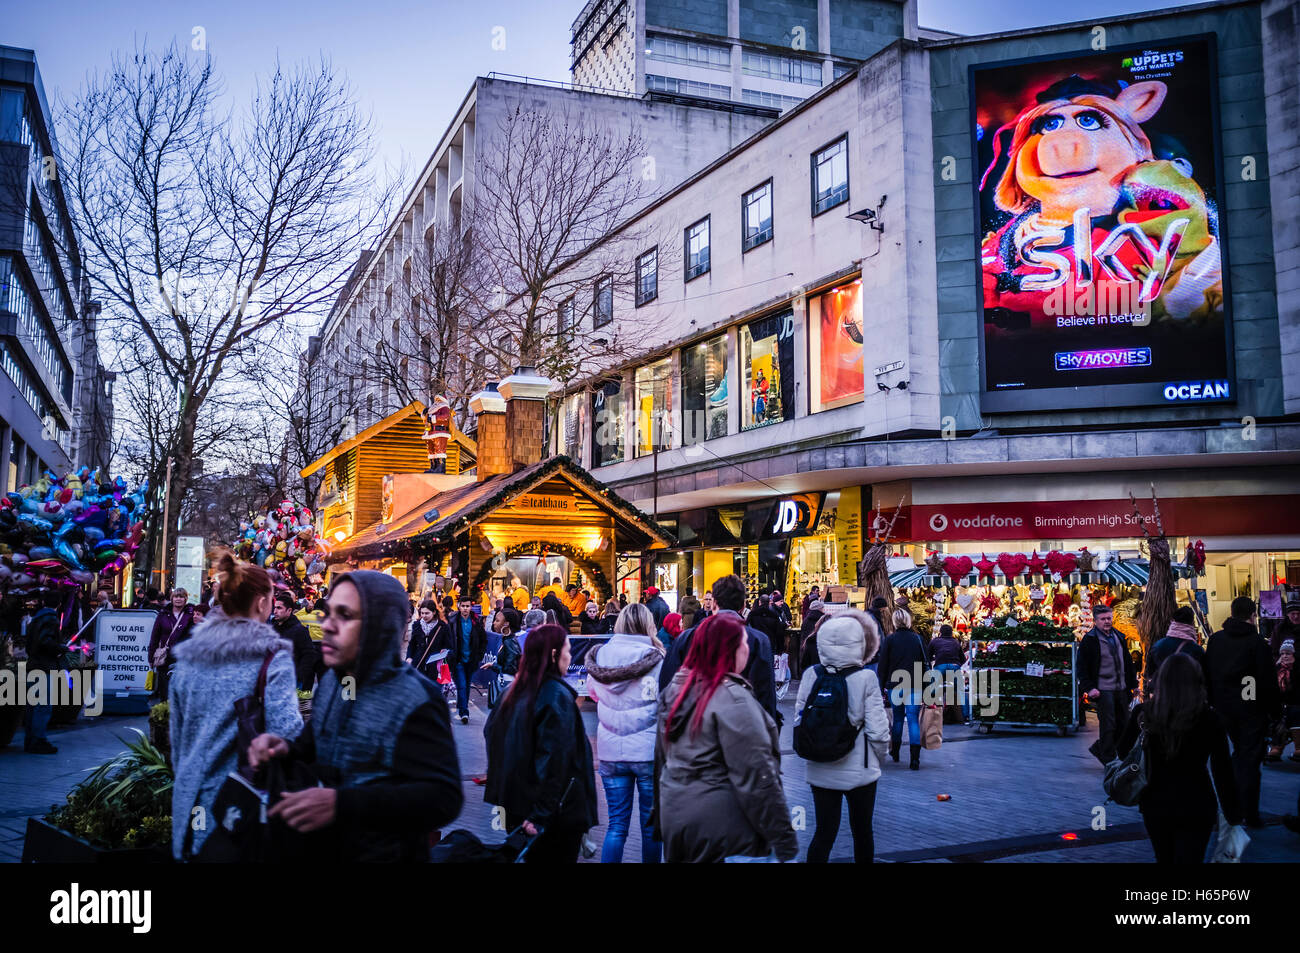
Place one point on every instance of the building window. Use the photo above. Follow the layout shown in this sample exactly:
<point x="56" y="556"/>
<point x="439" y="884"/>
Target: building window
<point x="756" y="216"/>
<point x="839" y="69"/>
<point x="603" y="302"/>
<point x="686" y="87"/>
<point x="835" y="347"/>
<point x="704" y="390"/>
<point x="788" y="69"/>
<point x="668" y="49"/>
<point x="771" y="100"/>
<point x="607" y="431"/>
<point x="647" y="277"/>
<point x="565" y="320"/>
<point x="830" y="176"/>
<point x="697" y="248"/>
<point x="654" y="407"/>
<point x="767" y="366"/>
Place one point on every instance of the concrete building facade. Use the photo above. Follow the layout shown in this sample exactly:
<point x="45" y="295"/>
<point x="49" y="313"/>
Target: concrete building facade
<point x="768" y="245"/>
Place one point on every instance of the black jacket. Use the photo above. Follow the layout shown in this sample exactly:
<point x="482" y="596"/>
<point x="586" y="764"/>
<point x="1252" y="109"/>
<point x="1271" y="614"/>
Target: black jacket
<point x="900" y="652"/>
<point x="386" y="743"/>
<point x="946" y="651"/>
<point x="594" y="626"/>
<point x="534" y="751"/>
<point x="422" y="647"/>
<point x="1178" y="787"/>
<point x="758" y="672"/>
<point x="1090" y="662"/>
<point x="307" y="659"/>
<point x="1171" y="645"/>
<point x="658" y="608"/>
<point x="808" y="654"/>
<point x="1237" y="653"/>
<point x="769" y="623"/>
<point x="45" y="645"/>
<point x="449" y="638"/>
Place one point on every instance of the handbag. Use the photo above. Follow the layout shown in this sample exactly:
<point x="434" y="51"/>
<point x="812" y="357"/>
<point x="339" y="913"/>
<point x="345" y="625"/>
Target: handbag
<point x="931" y="727"/>
<point x="1231" y="844"/>
<point x="1126" y="778"/>
<point x="250" y="717"/>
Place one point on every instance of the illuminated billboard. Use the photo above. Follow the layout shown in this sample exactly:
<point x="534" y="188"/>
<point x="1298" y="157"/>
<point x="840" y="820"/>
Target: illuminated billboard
<point x="1098" y="189"/>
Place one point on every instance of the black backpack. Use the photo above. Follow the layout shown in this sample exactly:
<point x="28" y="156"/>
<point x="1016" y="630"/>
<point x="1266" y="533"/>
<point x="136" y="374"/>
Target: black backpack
<point x="824" y="732"/>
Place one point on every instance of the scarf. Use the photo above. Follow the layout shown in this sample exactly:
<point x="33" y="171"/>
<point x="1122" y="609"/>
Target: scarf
<point x="1181" y="630"/>
<point x="1285" y="663"/>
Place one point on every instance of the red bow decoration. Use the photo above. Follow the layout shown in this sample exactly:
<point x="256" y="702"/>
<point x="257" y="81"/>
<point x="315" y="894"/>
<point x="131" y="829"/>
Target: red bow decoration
<point x="1061" y="602"/>
<point x="1036" y="564"/>
<point x="957" y="567"/>
<point x="1062" y="563"/>
<point x="985" y="566"/>
<point x="989" y="601"/>
<point x="1012" y="564"/>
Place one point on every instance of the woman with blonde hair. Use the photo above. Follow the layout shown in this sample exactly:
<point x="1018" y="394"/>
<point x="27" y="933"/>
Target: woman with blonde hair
<point x="902" y="659"/>
<point x="623" y="678"/>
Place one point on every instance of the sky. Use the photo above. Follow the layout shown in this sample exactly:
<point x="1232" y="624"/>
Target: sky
<point x="410" y="63"/>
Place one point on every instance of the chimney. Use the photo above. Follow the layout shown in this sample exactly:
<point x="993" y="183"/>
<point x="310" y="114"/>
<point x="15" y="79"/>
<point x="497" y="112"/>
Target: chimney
<point x="493" y="449"/>
<point x="525" y="395"/>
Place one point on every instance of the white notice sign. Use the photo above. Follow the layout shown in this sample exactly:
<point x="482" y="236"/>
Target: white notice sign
<point x="122" y="648"/>
<point x="1034" y="668"/>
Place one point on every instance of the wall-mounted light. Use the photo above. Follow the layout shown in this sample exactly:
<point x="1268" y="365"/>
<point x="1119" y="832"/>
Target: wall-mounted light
<point x="901" y="385"/>
<point x="870" y="216"/>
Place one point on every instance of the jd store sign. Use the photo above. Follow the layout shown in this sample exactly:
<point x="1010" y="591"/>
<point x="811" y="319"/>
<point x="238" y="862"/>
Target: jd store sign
<point x="784" y="517"/>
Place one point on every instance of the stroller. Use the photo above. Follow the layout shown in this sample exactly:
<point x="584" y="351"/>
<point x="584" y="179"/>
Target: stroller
<point x="464" y="847"/>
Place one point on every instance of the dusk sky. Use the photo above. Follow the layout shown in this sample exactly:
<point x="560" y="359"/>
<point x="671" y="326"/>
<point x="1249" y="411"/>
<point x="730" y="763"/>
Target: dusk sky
<point x="411" y="63"/>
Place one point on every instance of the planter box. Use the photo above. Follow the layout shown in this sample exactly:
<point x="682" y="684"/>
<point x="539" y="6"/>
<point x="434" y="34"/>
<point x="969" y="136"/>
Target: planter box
<point x="47" y="844"/>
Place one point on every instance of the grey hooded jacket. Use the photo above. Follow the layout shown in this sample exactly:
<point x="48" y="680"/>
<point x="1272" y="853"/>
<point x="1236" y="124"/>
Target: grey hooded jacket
<point x="216" y="666"/>
<point x="381" y="735"/>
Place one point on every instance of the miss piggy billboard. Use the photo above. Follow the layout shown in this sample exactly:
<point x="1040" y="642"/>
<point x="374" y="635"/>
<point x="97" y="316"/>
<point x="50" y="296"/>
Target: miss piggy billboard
<point x="1102" y="261"/>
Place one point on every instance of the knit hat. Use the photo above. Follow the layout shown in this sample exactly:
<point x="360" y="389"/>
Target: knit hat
<point x="1288" y="646"/>
<point x="673" y="624"/>
<point x="1293" y="605"/>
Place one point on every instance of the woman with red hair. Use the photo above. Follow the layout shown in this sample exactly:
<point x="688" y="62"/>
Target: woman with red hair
<point x="719" y="760"/>
<point x="539" y="758"/>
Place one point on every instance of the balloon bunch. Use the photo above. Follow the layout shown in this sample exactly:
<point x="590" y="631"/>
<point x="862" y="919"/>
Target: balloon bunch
<point x="67" y="529"/>
<point x="284" y="540"/>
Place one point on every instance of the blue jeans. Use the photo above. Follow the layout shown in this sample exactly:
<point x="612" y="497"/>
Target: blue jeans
<point x="35" y="720"/>
<point x="965" y="694"/>
<point x="619" y="778"/>
<point x="913" y="715"/>
<point x="461" y="674"/>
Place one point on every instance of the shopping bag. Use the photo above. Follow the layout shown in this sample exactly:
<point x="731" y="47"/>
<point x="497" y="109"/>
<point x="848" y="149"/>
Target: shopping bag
<point x="148" y="680"/>
<point x="931" y="726"/>
<point x="444" y="673"/>
<point x="1231" y="844"/>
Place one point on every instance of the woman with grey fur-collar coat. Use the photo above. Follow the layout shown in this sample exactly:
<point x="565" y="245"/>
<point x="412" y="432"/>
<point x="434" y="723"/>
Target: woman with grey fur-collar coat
<point x="216" y="666"/>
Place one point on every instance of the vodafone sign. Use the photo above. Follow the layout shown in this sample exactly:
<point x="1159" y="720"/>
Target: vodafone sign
<point x="1090" y="519"/>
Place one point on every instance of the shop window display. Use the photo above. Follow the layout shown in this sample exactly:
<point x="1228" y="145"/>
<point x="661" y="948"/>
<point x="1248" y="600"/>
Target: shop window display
<point x="654" y="407"/>
<point x="767" y="362"/>
<point x="608" y="437"/>
<point x="835" y="347"/>
<point x="704" y="390"/>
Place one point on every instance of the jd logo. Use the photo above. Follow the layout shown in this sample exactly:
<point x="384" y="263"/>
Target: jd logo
<point x="787" y="517"/>
<point x="938" y="522"/>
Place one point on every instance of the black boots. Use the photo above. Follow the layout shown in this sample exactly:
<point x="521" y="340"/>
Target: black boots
<point x="915" y="763"/>
<point x="894" y="747"/>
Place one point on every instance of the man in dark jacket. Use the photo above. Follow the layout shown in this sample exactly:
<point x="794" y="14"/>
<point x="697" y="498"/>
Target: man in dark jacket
<point x="762" y="617"/>
<point x="729" y="595"/>
<point x="1108" y="678"/>
<point x="307" y="662"/>
<point x="466" y="642"/>
<point x="1243" y="690"/>
<point x="45" y="649"/>
<point x="1288" y="629"/>
<point x="781" y="608"/>
<point x="657" y="606"/>
<point x="379" y="736"/>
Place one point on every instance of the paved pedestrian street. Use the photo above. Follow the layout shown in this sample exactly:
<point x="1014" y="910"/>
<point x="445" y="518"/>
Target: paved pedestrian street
<point x="1013" y="796"/>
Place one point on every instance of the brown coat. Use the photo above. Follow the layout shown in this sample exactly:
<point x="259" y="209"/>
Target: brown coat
<point x="720" y="791"/>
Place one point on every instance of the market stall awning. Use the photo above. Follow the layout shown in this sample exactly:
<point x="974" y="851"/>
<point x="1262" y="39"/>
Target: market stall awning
<point x="450" y="514"/>
<point x="908" y="577"/>
<point x="1130" y="572"/>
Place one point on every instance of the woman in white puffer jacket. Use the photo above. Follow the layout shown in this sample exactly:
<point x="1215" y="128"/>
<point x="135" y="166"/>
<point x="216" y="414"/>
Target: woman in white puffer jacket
<point x="623" y="678"/>
<point x="846" y="641"/>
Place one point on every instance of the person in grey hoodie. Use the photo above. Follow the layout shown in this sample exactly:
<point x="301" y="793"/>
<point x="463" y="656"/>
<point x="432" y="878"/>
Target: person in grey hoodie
<point x="845" y="643"/>
<point x="623" y="678"/>
<point x="379" y="736"/>
<point x="216" y="666"/>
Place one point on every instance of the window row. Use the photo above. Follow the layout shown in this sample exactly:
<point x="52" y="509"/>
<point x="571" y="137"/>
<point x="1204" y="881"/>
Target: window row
<point x="644" y="399"/>
<point x="686" y="87"/>
<point x="787" y="68"/>
<point x="757" y="97"/>
<point x="667" y="49"/>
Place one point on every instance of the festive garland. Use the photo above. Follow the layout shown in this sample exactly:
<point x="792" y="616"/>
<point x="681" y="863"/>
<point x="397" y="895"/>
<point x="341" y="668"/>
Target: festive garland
<point x="1033" y="629"/>
<point x="604" y="590"/>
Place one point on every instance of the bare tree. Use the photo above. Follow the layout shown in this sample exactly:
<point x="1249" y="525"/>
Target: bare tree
<point x="204" y="231"/>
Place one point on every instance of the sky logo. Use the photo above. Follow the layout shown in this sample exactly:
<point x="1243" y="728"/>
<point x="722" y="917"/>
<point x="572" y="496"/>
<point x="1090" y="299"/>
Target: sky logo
<point x="1097" y="360"/>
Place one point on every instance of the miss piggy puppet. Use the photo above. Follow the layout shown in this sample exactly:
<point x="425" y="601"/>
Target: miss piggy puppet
<point x="1094" y="215"/>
